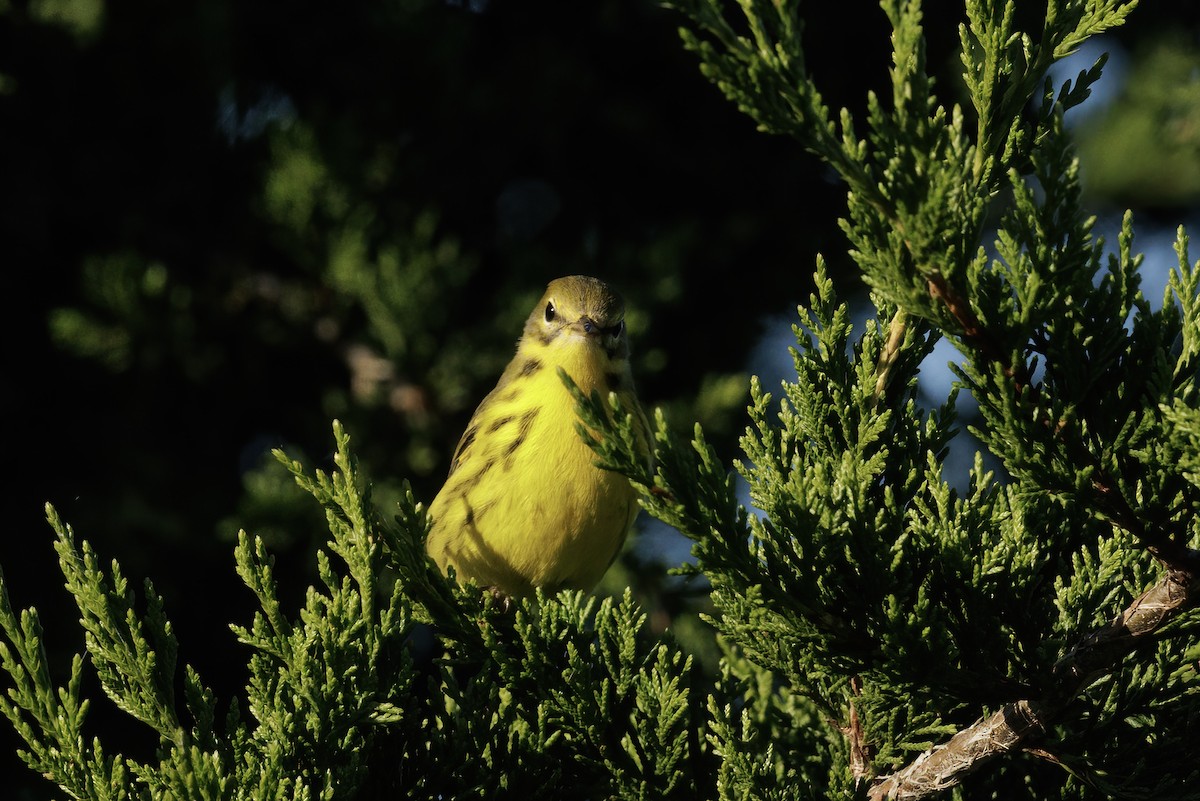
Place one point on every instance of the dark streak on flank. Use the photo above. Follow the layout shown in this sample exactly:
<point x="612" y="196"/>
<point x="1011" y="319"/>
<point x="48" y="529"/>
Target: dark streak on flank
<point x="483" y="510"/>
<point x="464" y="445"/>
<point x="546" y="337"/>
<point x="499" y="423"/>
<point x="530" y="367"/>
<point x="614" y="381"/>
<point x="526" y="423"/>
<point x="612" y="350"/>
<point x="524" y="426"/>
<point x="488" y="465"/>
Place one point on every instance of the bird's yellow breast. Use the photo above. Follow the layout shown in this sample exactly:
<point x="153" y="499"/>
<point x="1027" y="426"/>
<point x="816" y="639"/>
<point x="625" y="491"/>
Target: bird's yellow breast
<point x="525" y="505"/>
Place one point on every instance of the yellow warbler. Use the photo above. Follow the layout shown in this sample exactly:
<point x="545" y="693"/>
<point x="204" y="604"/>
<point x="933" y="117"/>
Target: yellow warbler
<point x="525" y="505"/>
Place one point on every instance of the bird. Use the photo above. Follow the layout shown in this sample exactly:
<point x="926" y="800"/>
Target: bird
<point x="525" y="506"/>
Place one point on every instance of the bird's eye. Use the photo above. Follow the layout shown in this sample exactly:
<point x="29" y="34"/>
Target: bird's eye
<point x="620" y="332"/>
<point x="550" y="311"/>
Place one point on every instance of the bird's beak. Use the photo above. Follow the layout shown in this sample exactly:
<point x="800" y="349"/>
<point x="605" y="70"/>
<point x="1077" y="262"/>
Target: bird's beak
<point x="589" y="327"/>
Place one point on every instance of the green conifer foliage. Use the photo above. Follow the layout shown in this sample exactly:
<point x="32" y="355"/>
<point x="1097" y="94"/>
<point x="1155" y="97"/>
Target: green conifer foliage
<point x="561" y="695"/>
<point x="885" y="630"/>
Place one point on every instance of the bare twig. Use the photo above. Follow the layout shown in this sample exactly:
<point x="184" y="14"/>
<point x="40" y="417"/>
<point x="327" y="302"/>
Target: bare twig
<point x="890" y="354"/>
<point x="1094" y="655"/>
<point x="1099" y="651"/>
<point x="860" y="749"/>
<point x="973" y="331"/>
<point x="945" y="766"/>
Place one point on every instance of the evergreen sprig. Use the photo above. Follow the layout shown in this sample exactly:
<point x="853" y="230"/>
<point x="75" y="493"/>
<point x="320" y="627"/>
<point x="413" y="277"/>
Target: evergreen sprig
<point x="134" y="656"/>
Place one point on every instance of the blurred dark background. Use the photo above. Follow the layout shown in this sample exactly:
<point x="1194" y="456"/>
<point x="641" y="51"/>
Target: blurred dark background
<point x="224" y="224"/>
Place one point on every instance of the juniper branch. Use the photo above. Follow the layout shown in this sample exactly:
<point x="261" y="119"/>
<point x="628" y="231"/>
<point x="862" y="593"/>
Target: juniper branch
<point x="135" y="658"/>
<point x="1094" y="655"/>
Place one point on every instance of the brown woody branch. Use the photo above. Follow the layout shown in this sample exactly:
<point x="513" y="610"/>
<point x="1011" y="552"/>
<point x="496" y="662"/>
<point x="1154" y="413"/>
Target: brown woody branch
<point x="1094" y="655"/>
<point x="860" y="749"/>
<point x="973" y="331"/>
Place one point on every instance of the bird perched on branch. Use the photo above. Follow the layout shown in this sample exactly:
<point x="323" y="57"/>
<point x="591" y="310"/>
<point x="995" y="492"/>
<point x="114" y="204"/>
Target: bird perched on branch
<point x="525" y="505"/>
